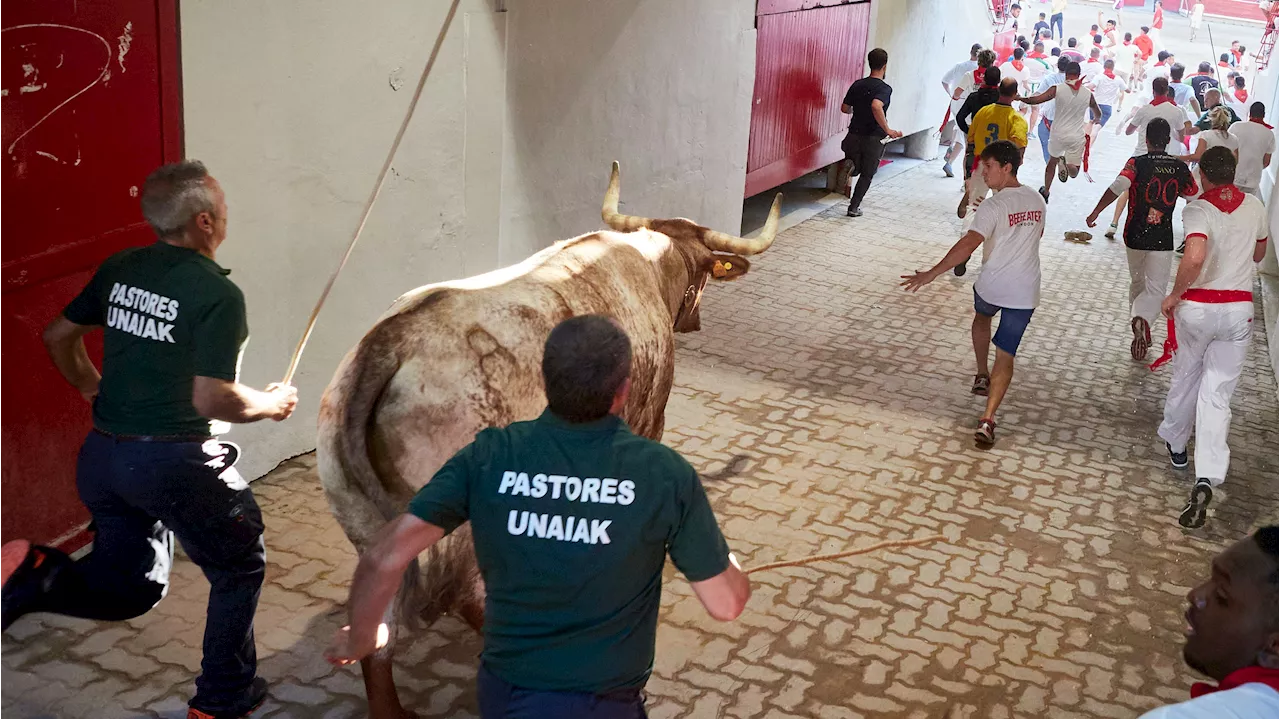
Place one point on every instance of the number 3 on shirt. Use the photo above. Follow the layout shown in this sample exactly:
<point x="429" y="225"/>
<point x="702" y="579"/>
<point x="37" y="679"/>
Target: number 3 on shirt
<point x="993" y="133"/>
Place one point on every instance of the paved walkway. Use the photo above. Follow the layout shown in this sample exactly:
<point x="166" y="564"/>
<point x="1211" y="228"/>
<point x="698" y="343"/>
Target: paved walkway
<point x="827" y="410"/>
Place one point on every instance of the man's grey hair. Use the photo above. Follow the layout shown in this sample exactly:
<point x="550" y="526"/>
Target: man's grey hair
<point x="175" y="193"/>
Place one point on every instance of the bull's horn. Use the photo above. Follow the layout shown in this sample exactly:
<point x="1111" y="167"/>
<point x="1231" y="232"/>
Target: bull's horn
<point x="742" y="246"/>
<point x="610" y="215"/>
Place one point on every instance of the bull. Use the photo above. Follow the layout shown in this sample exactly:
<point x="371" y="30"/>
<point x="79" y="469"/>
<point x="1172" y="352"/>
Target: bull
<point x="449" y="359"/>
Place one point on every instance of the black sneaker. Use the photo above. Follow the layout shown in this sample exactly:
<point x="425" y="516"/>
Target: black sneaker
<point x="253" y="699"/>
<point x="853" y="212"/>
<point x="961" y="268"/>
<point x="1192" y="516"/>
<point x="29" y="571"/>
<point x="1177" y="459"/>
<point x="1181" y="248"/>
<point x="1044" y="192"/>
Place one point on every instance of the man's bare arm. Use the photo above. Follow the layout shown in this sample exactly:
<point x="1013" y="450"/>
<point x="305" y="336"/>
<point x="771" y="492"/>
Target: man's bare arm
<point x="1045" y="96"/>
<point x="230" y="401"/>
<point x="725" y="595"/>
<point x="64" y="341"/>
<point x="374" y="585"/>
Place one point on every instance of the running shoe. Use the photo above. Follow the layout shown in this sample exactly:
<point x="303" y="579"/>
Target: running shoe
<point x="1080" y="238"/>
<point x="28" y="571"/>
<point x="946" y="169"/>
<point x="986" y="432"/>
<point x="1141" y="339"/>
<point x="961" y="268"/>
<point x="1044" y="192"/>
<point x="1181" y="248"/>
<point x="853" y="212"/>
<point x="253" y="699"/>
<point x="1062" y="169"/>
<point x="1177" y="459"/>
<point x="962" y="209"/>
<point x="1192" y="516"/>
<point x="1110" y="233"/>
<point x="981" y="383"/>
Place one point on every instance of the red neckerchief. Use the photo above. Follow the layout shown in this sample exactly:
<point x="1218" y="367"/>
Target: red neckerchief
<point x="1262" y="122"/>
<point x="1240" y="677"/>
<point x="1017" y="65"/>
<point x="1226" y="198"/>
<point x="1199" y="74"/>
<point x="1162" y="99"/>
<point x="1242" y="94"/>
<point x="978" y="75"/>
<point x="1238" y="54"/>
<point x="1093" y="60"/>
<point x="1128" y="42"/>
<point x="1223" y="64"/>
<point x="1109" y="74"/>
<point x="1075" y="85"/>
<point x="1036" y="55"/>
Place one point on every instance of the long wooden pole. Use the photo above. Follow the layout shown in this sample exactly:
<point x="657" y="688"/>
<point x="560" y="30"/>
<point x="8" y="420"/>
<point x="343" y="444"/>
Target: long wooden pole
<point x="373" y="196"/>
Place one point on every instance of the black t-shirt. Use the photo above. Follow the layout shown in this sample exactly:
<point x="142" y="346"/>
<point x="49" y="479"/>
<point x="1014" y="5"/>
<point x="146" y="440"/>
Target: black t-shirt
<point x="978" y="99"/>
<point x="862" y="120"/>
<point x="1156" y="181"/>
<point x="1201" y="84"/>
<point x="1040" y="25"/>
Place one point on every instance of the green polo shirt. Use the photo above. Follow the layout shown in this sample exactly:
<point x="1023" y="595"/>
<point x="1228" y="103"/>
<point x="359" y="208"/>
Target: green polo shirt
<point x="168" y="314"/>
<point x="572" y="524"/>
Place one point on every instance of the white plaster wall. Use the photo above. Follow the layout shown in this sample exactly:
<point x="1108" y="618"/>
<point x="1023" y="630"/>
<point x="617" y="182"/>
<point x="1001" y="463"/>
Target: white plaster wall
<point x="924" y="39"/>
<point x="662" y="86"/>
<point x="293" y="105"/>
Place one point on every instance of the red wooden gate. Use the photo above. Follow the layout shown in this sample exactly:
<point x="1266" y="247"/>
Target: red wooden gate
<point x="91" y="103"/>
<point x="806" y="58"/>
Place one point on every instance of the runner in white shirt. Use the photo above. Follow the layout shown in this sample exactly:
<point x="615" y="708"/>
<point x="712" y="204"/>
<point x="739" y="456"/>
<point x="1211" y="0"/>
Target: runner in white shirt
<point x="1163" y="107"/>
<point x="1008" y="226"/>
<point x="1108" y="91"/>
<point x="1125" y="56"/>
<point x="951" y="134"/>
<point x="1072" y="104"/>
<point x="1092" y="67"/>
<point x="1211" y="324"/>
<point x="1257" y="142"/>
<point x="1231" y="635"/>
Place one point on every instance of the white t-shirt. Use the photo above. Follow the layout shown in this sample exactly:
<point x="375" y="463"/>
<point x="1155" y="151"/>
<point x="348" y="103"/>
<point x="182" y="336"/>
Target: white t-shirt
<point x="1231" y="239"/>
<point x="1255" y="140"/>
<point x="1023" y="76"/>
<point x="1011" y="223"/>
<point x="1169" y="112"/>
<point x="966" y="84"/>
<point x="1090" y="70"/>
<point x="1048" y="81"/>
<point x="1214" y="138"/>
<point x="1071" y="110"/>
<point x="1106" y="90"/>
<point x="954" y="76"/>
<point x="1037" y="68"/>
<point x="1157" y="70"/>
<point x="1125" y="55"/>
<point x="1249" y="701"/>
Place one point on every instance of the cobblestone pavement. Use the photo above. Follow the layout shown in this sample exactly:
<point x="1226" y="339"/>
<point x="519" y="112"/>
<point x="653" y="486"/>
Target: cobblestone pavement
<point x="827" y="410"/>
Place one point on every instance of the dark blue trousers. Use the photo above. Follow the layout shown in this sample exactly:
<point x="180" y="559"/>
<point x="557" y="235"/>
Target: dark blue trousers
<point x="500" y="700"/>
<point x="140" y="495"/>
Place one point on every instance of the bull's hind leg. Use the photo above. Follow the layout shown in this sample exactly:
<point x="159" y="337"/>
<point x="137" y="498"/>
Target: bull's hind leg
<point x="380" y="688"/>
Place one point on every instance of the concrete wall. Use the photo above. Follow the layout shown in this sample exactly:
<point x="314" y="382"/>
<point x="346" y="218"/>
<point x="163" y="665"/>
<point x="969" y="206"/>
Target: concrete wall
<point x="294" y="104"/>
<point x="924" y="40"/>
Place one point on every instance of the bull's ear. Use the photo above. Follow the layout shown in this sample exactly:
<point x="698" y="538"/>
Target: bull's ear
<point x="727" y="267"/>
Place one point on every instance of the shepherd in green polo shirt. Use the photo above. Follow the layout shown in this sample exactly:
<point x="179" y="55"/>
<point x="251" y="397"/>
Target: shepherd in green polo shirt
<point x="573" y="516"/>
<point x="173" y="329"/>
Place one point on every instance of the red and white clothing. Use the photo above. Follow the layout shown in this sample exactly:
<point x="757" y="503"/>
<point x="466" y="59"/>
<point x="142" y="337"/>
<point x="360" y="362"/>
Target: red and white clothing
<point x="1090" y="69"/>
<point x="952" y="80"/>
<point x="1248" y="693"/>
<point x="1165" y="109"/>
<point x="1125" y="56"/>
<point x="1107" y="89"/>
<point x="1070" y="118"/>
<point x="1255" y="138"/>
<point x="1018" y="70"/>
<point x="1213" y="325"/>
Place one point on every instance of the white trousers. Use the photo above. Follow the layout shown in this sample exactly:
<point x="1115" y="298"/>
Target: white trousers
<point x="1213" y="341"/>
<point x="1149" y="272"/>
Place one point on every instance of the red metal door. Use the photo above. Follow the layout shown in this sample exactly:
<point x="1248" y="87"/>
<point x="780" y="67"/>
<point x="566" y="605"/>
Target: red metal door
<point x="91" y="104"/>
<point x="806" y="58"/>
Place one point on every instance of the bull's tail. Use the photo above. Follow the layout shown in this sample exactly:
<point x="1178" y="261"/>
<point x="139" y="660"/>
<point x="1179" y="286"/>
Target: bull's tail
<point x="362" y="500"/>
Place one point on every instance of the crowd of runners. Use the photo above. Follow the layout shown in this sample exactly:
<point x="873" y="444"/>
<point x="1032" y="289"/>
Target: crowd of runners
<point x="1197" y="135"/>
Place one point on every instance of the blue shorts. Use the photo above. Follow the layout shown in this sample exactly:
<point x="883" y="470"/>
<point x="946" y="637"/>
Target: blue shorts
<point x="1012" y="323"/>
<point x="1106" y="115"/>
